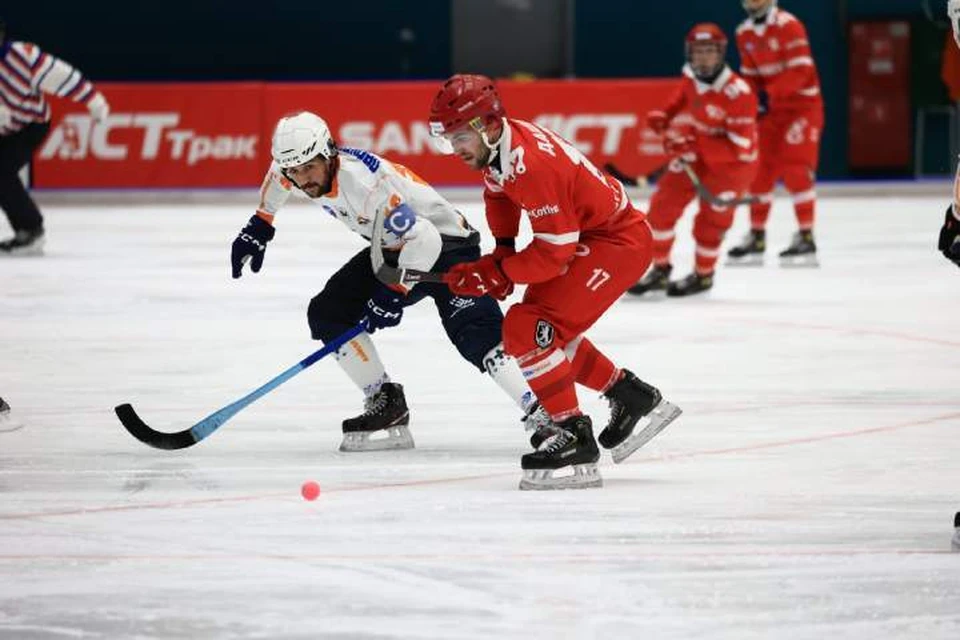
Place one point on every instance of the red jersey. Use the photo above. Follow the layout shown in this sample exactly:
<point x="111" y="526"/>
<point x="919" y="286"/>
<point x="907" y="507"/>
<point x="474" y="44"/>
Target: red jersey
<point x="775" y="57"/>
<point x="723" y="116"/>
<point x="563" y="194"/>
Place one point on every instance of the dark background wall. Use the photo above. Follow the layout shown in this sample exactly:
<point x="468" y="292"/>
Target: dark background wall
<point x="384" y="39"/>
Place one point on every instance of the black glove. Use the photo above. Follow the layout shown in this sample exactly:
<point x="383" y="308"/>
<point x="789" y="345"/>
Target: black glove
<point x="384" y="308"/>
<point x="949" y="243"/>
<point x="251" y="243"/>
<point x="763" y="103"/>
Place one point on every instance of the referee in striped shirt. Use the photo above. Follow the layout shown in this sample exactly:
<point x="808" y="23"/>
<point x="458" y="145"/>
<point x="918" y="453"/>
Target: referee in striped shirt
<point x="26" y="74"/>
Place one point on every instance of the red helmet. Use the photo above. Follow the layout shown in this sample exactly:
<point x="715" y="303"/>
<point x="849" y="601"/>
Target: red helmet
<point x="707" y="33"/>
<point x="463" y="99"/>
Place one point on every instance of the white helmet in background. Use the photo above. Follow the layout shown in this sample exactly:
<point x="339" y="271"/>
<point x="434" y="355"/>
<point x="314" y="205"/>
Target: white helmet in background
<point x="300" y="138"/>
<point x="953" y="10"/>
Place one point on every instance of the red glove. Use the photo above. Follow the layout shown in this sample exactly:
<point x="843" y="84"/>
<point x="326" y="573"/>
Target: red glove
<point x="483" y="277"/>
<point x="675" y="144"/>
<point x="658" y="121"/>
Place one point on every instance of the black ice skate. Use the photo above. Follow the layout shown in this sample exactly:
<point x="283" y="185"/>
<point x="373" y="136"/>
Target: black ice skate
<point x="382" y="425"/>
<point x="802" y="251"/>
<point x="4" y="410"/>
<point x="568" y="446"/>
<point x="749" y="253"/>
<point x="692" y="284"/>
<point x="955" y="543"/>
<point x="23" y="243"/>
<point x="656" y="279"/>
<point x="630" y="400"/>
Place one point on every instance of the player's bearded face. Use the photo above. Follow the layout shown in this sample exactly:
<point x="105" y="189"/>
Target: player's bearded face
<point x="705" y="59"/>
<point x="313" y="177"/>
<point x="469" y="147"/>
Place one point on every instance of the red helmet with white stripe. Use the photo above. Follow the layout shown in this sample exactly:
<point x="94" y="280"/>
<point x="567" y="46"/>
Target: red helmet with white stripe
<point x="701" y="42"/>
<point x="465" y="99"/>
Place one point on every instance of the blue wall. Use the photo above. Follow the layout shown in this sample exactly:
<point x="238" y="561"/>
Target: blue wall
<point x="230" y="40"/>
<point x="217" y="39"/>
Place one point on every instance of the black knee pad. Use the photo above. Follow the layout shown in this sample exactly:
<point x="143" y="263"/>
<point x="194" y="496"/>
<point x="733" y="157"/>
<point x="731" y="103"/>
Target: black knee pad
<point x="325" y="320"/>
<point x="475" y="340"/>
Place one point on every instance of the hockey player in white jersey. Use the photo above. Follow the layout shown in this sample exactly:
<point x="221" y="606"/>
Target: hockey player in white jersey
<point x="422" y="231"/>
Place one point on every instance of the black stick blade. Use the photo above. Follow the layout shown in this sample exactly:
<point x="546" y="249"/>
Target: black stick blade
<point x="619" y="175"/>
<point x="156" y="439"/>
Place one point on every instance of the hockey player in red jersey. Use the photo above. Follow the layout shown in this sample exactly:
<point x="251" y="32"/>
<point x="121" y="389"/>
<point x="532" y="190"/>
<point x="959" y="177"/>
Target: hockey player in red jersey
<point x="719" y="140"/>
<point x="776" y="59"/>
<point x="589" y="244"/>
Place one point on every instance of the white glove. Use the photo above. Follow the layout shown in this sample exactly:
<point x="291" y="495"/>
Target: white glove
<point x="98" y="107"/>
<point x="6" y="117"/>
<point x="953" y="11"/>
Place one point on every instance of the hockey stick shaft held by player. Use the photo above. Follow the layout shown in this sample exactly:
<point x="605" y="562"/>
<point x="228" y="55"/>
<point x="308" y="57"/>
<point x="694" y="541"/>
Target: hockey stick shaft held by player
<point x="201" y="430"/>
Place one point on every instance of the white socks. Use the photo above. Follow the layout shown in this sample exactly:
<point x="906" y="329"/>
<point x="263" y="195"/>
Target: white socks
<point x="361" y="362"/>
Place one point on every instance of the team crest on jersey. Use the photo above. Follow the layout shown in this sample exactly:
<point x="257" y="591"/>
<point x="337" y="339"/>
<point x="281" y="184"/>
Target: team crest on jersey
<point x="714" y="112"/>
<point x="544" y="334"/>
<point x="773" y="44"/>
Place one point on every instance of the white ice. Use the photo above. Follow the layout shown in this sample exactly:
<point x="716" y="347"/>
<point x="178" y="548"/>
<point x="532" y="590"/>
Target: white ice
<point x="808" y="490"/>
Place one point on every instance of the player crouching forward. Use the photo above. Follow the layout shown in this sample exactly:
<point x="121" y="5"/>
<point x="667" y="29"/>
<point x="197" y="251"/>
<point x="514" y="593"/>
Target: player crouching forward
<point x="721" y="147"/>
<point x="589" y="244"/>
<point x="422" y="231"/>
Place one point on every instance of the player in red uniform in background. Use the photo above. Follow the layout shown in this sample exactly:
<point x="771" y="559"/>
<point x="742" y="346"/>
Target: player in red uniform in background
<point x="589" y="244"/>
<point x="776" y="59"/>
<point x="720" y="142"/>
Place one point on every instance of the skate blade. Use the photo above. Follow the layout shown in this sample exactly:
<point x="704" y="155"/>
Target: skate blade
<point x="392" y="438"/>
<point x="802" y="262"/>
<point x="662" y="415"/>
<point x="746" y="261"/>
<point x="650" y="294"/>
<point x="584" y="476"/>
<point x="35" y="249"/>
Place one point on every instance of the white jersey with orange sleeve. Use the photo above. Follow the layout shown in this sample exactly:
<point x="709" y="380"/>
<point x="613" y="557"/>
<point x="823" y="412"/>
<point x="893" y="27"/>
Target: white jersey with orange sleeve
<point x="776" y="58"/>
<point x="564" y="195"/>
<point x="27" y="73"/>
<point x="366" y="184"/>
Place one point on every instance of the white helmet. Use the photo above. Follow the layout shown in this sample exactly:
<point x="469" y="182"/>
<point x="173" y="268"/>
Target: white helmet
<point x="300" y="138"/>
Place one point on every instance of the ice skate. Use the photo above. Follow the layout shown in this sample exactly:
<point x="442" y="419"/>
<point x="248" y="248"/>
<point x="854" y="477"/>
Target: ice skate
<point x="955" y="543"/>
<point x="23" y="243"/>
<point x="382" y="425"/>
<point x="802" y="251"/>
<point x="570" y="447"/>
<point x="749" y="253"/>
<point x="4" y="412"/>
<point x="538" y="423"/>
<point x="656" y="280"/>
<point x="692" y="284"/>
<point x="630" y="400"/>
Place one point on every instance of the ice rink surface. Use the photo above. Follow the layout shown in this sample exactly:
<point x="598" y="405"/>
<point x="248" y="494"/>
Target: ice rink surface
<point x="807" y="492"/>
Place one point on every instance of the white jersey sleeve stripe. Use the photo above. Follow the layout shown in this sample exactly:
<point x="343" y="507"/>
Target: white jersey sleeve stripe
<point x="558" y="238"/>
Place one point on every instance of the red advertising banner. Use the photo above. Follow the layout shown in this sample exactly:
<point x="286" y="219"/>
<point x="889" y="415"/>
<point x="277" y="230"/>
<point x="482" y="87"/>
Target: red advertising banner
<point x="157" y="135"/>
<point x="218" y="135"/>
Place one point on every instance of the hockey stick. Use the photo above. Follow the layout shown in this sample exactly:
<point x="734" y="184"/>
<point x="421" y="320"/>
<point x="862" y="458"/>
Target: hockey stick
<point x="392" y="275"/>
<point x="708" y="195"/>
<point x="189" y="437"/>
<point x="642" y="181"/>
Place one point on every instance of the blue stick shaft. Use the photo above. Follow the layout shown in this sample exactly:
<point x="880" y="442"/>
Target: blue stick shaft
<point x="212" y="422"/>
